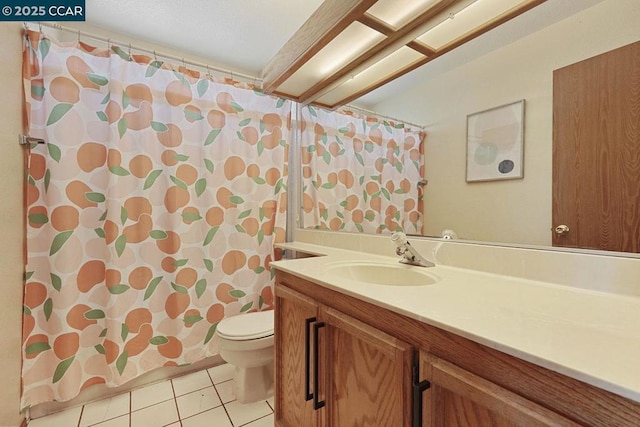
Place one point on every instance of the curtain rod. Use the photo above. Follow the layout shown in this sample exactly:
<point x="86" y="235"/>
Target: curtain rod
<point x="383" y="116"/>
<point x="111" y="41"/>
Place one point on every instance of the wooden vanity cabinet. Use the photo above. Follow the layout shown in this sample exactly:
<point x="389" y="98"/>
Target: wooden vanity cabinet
<point x="363" y="375"/>
<point x="292" y="359"/>
<point x="456" y="397"/>
<point x="367" y="358"/>
<point x="366" y="374"/>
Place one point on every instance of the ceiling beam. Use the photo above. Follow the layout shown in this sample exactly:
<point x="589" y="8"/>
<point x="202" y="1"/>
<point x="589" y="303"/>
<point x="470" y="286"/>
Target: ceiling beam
<point x="399" y="38"/>
<point x="329" y="20"/>
<point x="376" y="24"/>
<point x="383" y="28"/>
<point x="499" y="20"/>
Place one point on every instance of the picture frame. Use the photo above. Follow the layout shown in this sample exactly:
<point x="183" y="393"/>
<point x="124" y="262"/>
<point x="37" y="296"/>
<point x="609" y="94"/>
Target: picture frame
<point x="495" y="143"/>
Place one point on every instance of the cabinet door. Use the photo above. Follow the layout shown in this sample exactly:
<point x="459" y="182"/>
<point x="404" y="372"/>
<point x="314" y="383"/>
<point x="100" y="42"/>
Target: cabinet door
<point x="459" y="398"/>
<point x="367" y="374"/>
<point x="293" y="312"/>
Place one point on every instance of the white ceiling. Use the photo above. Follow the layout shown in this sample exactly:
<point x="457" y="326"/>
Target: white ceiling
<point x="243" y="35"/>
<point x="239" y="34"/>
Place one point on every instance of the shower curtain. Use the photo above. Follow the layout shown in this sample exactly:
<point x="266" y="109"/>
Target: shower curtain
<point x="360" y="173"/>
<point x="152" y="210"/>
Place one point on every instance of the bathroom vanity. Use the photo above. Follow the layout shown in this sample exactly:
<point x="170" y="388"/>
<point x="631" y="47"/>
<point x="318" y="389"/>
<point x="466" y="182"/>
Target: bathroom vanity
<point x="467" y="349"/>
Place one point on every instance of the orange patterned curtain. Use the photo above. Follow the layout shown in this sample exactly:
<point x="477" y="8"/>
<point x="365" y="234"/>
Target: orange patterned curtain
<point x="360" y="174"/>
<point x="152" y="211"/>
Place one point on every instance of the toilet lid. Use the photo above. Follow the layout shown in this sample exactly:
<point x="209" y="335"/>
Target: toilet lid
<point x="247" y="326"/>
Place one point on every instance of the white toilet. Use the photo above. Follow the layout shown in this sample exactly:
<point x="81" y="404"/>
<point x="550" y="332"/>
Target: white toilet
<point x="246" y="342"/>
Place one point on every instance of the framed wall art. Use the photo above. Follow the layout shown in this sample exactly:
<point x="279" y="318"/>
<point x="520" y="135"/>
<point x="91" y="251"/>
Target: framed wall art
<point x="495" y="143"/>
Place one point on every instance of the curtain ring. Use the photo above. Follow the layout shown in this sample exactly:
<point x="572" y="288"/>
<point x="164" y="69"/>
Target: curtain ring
<point x="184" y="64"/>
<point x="40" y="27"/>
<point x="129" y="49"/>
<point x="155" y="58"/>
<point x="78" y="36"/>
<point x="208" y="72"/>
<point x="109" y="43"/>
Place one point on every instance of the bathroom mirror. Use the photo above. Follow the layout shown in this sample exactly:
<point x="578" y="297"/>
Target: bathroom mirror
<point x="512" y="62"/>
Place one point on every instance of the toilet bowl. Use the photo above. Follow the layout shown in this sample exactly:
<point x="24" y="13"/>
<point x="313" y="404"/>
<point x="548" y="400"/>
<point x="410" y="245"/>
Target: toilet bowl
<point x="246" y="342"/>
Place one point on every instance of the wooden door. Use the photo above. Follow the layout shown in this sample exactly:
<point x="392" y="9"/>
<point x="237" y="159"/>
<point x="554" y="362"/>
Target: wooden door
<point x="293" y="314"/>
<point x="458" y="398"/>
<point x="596" y="151"/>
<point x="367" y="374"/>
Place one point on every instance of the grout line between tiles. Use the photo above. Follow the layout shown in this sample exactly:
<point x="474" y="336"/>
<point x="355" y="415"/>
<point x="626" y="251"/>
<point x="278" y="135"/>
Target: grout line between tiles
<point x="175" y="402"/>
<point x="80" y="417"/>
<point x="224" y="406"/>
<point x="192" y="391"/>
<point x="253" y="421"/>
<point x="154" y="404"/>
<point x="113" y="417"/>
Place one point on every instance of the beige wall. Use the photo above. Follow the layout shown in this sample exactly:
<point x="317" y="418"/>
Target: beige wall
<point x="11" y="224"/>
<point x="515" y="211"/>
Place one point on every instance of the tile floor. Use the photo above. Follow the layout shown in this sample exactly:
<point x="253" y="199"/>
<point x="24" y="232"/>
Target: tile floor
<point x="200" y="399"/>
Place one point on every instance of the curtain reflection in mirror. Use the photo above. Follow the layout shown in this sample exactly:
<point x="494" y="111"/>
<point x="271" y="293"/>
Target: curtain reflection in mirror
<point x="360" y="173"/>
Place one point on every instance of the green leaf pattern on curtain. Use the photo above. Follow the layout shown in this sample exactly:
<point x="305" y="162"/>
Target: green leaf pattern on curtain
<point x="360" y="174"/>
<point x="132" y="206"/>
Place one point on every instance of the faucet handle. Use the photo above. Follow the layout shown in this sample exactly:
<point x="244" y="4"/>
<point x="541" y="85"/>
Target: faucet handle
<point x="409" y="254"/>
<point x="399" y="238"/>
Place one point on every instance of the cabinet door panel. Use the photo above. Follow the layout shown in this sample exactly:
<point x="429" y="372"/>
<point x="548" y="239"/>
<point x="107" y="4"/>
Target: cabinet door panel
<point x="292" y="309"/>
<point x="459" y="398"/>
<point x="367" y="374"/>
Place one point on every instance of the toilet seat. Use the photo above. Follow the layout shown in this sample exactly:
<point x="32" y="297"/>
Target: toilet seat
<point x="246" y="327"/>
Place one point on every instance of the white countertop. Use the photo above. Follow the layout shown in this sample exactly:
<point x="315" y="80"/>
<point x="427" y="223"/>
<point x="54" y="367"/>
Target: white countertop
<point x="587" y="335"/>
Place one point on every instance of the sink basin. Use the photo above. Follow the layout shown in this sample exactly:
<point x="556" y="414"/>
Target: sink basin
<point x="388" y="274"/>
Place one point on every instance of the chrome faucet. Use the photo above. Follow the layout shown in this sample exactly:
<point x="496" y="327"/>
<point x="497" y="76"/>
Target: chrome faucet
<point x="407" y="252"/>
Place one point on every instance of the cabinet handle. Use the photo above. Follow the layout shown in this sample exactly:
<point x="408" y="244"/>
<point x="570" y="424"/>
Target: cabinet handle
<point x="317" y="404"/>
<point x="307" y="369"/>
<point x="418" y="388"/>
